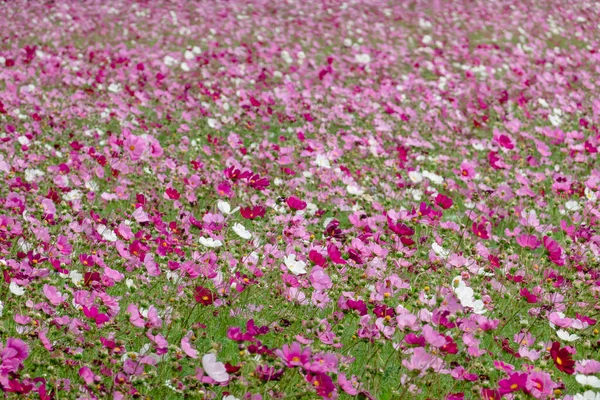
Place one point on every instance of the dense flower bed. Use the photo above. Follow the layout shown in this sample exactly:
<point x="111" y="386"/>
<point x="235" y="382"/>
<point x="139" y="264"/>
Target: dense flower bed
<point x="300" y="199"/>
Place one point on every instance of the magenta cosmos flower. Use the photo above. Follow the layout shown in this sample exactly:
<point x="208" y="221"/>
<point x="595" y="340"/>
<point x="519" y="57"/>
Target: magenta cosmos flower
<point x="294" y="355"/>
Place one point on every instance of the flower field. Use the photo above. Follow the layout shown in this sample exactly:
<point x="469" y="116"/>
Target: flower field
<point x="300" y="199"/>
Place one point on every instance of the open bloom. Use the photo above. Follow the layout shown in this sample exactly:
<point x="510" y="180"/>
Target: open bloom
<point x="588" y="380"/>
<point x="294" y="355"/>
<point x="135" y="146"/>
<point x="528" y="242"/>
<point x="216" y="370"/>
<point x="204" y="296"/>
<point x="210" y="242"/>
<point x="562" y="359"/>
<point x="297" y="267"/>
<point x="587" y="395"/>
<point x="241" y="231"/>
<point x="514" y="383"/>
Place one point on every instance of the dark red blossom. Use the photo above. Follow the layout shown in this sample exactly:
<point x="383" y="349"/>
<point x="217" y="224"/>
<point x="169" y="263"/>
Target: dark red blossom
<point x="332" y="230"/>
<point x="204" y="296"/>
<point x="562" y="359"/>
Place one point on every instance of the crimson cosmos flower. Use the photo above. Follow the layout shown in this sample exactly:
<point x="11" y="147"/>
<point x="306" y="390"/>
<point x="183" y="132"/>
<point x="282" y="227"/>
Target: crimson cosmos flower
<point x="562" y="359"/>
<point x="204" y="296"/>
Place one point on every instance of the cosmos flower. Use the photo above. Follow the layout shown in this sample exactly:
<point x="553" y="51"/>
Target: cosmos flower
<point x="216" y="370"/>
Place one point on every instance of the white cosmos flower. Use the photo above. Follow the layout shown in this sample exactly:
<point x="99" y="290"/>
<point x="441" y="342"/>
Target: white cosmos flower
<point x="465" y="295"/>
<point x="16" y="289"/>
<point x="352" y="189"/>
<point x="31" y="174"/>
<point x="169" y="61"/>
<point x="564" y="335"/>
<point x="225" y="208"/>
<point x="572" y="205"/>
<point x="587" y="395"/>
<point x="588" y="380"/>
<point x="114" y="88"/>
<point x="72" y="195"/>
<point x="24" y="245"/>
<point x="106" y="233"/>
<point x="297" y="267"/>
<point x="76" y="277"/>
<point x="478" y="146"/>
<point x="440" y="251"/>
<point x="210" y="242"/>
<point x="590" y="194"/>
<point x="322" y="161"/>
<point x="241" y="231"/>
<point x="434" y="178"/>
<point x="415" y="177"/>
<point x="362" y="58"/>
<point x="91" y="186"/>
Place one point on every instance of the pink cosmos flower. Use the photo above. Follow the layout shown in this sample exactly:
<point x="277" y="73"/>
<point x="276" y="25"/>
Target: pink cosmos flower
<point x="12" y="356"/>
<point x="504" y="141"/>
<point x="135" y="147"/>
<point x="528" y="242"/>
<point x="540" y="385"/>
<point x="587" y="367"/>
<point x="319" y="279"/>
<point x="186" y="346"/>
<point x="87" y="375"/>
<point x="467" y="169"/>
<point x="63" y="245"/>
<point x="413" y="339"/>
<point x="214" y="369"/>
<point x="433" y="337"/>
<point x="53" y="295"/>
<point x="421" y="360"/>
<point x="349" y="386"/>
